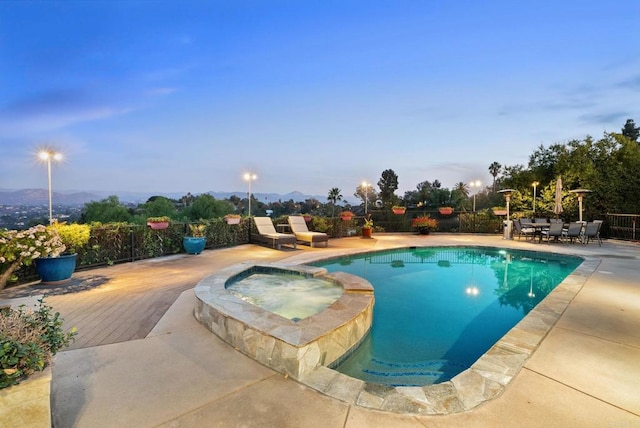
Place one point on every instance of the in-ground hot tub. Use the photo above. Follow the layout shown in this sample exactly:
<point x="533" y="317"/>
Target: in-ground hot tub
<point x="290" y="346"/>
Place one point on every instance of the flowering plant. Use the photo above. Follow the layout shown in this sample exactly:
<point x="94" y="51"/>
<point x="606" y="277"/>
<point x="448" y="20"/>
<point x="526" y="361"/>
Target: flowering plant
<point x="425" y="221"/>
<point x="368" y="222"/>
<point x="21" y="247"/>
<point x="231" y="216"/>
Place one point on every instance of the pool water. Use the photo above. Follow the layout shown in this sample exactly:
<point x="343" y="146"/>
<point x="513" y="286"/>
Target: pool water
<point x="291" y="296"/>
<point x="438" y="310"/>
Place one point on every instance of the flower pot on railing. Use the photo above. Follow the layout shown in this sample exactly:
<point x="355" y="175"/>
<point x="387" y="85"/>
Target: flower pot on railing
<point x="500" y="211"/>
<point x="232" y="219"/>
<point x="306" y="217"/>
<point x="346" y="216"/>
<point x="158" y="223"/>
<point x="399" y="210"/>
<point x="445" y="210"/>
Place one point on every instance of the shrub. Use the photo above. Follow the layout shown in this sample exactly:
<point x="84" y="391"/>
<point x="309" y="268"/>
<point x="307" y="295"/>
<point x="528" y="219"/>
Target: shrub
<point x="28" y="341"/>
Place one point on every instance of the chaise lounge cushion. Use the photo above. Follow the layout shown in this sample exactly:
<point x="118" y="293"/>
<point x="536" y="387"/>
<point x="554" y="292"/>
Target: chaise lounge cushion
<point x="302" y="233"/>
<point x="267" y="234"/>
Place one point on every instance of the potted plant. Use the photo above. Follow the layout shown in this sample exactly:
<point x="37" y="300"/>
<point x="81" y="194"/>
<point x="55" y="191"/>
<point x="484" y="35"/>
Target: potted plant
<point x="445" y="210"/>
<point x="367" y="228"/>
<point x="397" y="209"/>
<point x="195" y="243"/>
<point x="499" y="210"/>
<point x="307" y="217"/>
<point x="346" y="215"/>
<point x="28" y="340"/>
<point x="22" y="247"/>
<point x="158" y="223"/>
<point x="232" y="218"/>
<point x="59" y="268"/>
<point x="424" y="224"/>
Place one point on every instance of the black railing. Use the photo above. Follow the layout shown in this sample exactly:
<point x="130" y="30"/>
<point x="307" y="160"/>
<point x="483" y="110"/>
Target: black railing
<point x="623" y="226"/>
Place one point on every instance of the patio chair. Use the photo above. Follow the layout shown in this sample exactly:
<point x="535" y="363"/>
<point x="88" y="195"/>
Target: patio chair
<point x="574" y="231"/>
<point x="592" y="231"/>
<point x="554" y="231"/>
<point x="301" y="231"/>
<point x="556" y="220"/>
<point x="523" y="231"/>
<point x="267" y="234"/>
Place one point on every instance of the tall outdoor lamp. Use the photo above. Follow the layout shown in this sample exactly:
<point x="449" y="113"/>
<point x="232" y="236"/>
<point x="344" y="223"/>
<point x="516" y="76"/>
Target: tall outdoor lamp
<point x="475" y="183"/>
<point x="580" y="193"/>
<point x="250" y="177"/>
<point x="46" y="156"/>
<point x="365" y="186"/>
<point x="535" y="186"/>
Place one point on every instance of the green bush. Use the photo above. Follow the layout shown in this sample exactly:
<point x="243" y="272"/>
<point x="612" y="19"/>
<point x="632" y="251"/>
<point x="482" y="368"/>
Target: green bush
<point x="28" y="341"/>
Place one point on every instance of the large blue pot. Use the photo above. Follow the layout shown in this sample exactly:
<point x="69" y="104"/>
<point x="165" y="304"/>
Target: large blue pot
<point x="56" y="269"/>
<point x="193" y="245"/>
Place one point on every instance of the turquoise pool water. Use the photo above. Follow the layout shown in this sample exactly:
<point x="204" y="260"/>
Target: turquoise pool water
<point x="438" y="310"/>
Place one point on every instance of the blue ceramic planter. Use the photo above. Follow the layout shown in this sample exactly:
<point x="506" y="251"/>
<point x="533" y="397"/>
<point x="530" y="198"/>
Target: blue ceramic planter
<point x="193" y="245"/>
<point x="56" y="269"/>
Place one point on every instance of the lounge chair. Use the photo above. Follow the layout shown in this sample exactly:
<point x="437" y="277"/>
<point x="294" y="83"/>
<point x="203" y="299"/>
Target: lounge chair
<point x="592" y="231"/>
<point x="267" y="234"/>
<point x="301" y="231"/>
<point x="554" y="231"/>
<point x="574" y="231"/>
<point x="520" y="230"/>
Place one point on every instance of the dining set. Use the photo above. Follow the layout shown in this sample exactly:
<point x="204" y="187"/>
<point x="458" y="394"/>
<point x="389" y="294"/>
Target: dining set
<point x="557" y="230"/>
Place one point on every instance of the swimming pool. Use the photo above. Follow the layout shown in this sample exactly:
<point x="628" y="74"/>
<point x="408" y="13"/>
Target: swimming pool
<point x="439" y="309"/>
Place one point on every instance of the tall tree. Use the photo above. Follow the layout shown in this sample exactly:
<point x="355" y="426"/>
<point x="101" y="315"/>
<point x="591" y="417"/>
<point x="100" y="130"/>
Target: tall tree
<point x="334" y="196"/>
<point x="106" y="211"/>
<point x="494" y="170"/>
<point x="631" y="131"/>
<point x="367" y="194"/>
<point x="388" y="184"/>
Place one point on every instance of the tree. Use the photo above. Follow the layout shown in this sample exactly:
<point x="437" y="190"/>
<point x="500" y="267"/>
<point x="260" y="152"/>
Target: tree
<point x="206" y="206"/>
<point x="334" y="196"/>
<point x="388" y="184"/>
<point x="366" y="193"/>
<point x="460" y="195"/>
<point x="159" y="206"/>
<point x="494" y="170"/>
<point x="631" y="131"/>
<point x="106" y="211"/>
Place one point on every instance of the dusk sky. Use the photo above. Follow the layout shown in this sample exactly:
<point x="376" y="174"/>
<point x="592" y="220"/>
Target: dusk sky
<point x="186" y="96"/>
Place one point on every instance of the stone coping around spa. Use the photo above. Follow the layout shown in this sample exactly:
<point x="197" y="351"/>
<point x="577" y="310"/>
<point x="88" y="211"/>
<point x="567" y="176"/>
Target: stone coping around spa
<point x="484" y="380"/>
<point x="356" y="298"/>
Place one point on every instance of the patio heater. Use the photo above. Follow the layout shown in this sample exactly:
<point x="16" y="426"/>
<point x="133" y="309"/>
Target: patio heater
<point x="535" y="187"/>
<point x="581" y="193"/>
<point x="507" y="225"/>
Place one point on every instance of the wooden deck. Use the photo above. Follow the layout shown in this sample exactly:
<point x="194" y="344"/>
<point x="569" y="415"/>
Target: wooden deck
<point x="124" y="302"/>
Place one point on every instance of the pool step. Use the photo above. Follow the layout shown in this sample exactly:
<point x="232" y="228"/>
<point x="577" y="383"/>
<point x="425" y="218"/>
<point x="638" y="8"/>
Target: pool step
<point x="416" y="373"/>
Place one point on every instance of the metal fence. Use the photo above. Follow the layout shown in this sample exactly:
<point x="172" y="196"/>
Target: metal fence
<point x="623" y="226"/>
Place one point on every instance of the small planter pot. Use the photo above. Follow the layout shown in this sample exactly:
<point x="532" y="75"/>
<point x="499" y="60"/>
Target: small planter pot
<point x="399" y="211"/>
<point x="424" y="230"/>
<point x="158" y="225"/>
<point x="500" y="212"/>
<point x="232" y="220"/>
<point x="346" y="217"/>
<point x="367" y="232"/>
<point x="193" y="245"/>
<point x="445" y="210"/>
<point x="307" y="218"/>
<point x="54" y="270"/>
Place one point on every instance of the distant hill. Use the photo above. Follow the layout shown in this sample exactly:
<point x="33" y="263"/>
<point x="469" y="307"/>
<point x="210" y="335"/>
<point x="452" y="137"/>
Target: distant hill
<point x="75" y="198"/>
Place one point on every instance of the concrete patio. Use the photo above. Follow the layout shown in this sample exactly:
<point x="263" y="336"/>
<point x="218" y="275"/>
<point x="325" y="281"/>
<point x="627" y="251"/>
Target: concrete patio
<point x="142" y="360"/>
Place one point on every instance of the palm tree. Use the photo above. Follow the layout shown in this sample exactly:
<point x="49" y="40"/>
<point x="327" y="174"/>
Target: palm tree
<point x="333" y="197"/>
<point x="460" y="194"/>
<point x="494" y="169"/>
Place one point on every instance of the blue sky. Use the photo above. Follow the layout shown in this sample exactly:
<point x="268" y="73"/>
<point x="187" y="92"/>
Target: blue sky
<point x="185" y="96"/>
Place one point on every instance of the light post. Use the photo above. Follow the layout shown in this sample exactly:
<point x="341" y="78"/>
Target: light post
<point x="365" y="186"/>
<point x="535" y="186"/>
<point x="580" y="193"/>
<point x="475" y="183"/>
<point x="47" y="155"/>
<point x="249" y="176"/>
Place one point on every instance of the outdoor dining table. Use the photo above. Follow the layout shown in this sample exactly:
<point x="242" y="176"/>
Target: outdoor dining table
<point x="539" y="227"/>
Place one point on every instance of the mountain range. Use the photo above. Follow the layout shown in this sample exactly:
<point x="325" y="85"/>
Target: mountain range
<point x="30" y="197"/>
